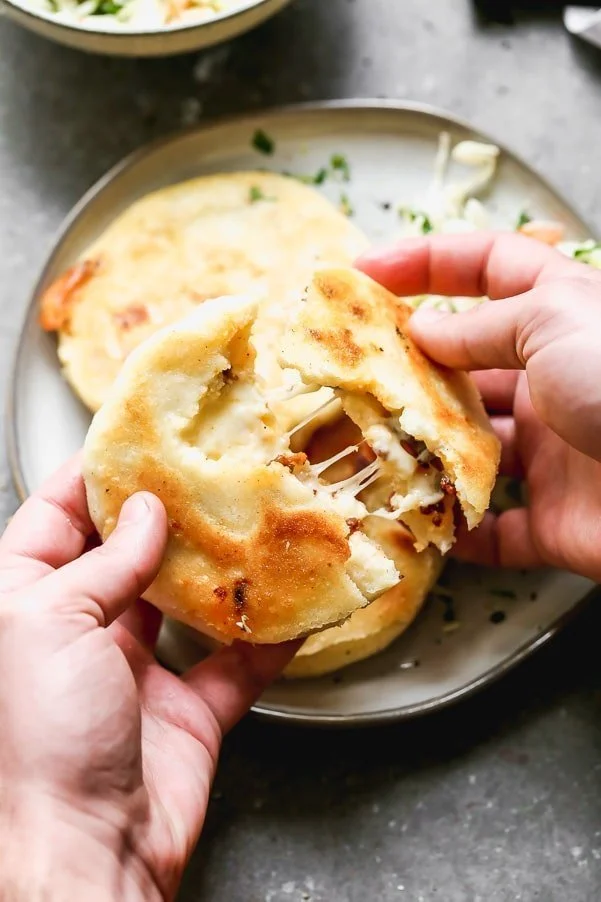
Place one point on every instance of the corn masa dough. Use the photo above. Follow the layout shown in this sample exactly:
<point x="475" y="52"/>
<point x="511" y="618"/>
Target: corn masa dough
<point x="225" y="234"/>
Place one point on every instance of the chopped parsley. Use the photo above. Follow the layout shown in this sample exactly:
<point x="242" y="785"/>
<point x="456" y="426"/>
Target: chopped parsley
<point x="503" y="593"/>
<point x="317" y="179"/>
<point x="523" y="219"/>
<point x="345" y="205"/>
<point x="339" y="163"/>
<point x="108" y="8"/>
<point x="417" y="216"/>
<point x="262" y="142"/>
<point x="255" y="193"/>
<point x="448" y="602"/>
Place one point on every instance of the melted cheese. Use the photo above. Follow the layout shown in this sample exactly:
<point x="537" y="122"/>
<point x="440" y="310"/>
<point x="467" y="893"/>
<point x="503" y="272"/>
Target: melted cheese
<point x="238" y="420"/>
<point x="369" y="568"/>
<point x="387" y="446"/>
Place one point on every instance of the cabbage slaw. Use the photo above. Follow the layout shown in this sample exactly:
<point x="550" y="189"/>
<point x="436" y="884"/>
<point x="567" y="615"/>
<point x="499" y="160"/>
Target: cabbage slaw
<point x="453" y="207"/>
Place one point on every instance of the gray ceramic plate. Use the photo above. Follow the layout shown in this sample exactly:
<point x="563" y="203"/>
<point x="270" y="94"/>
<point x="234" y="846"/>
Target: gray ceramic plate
<point x="390" y="148"/>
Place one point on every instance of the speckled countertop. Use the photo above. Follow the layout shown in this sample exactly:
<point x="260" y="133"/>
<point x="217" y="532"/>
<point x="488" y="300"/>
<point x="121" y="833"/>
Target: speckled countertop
<point x="500" y="798"/>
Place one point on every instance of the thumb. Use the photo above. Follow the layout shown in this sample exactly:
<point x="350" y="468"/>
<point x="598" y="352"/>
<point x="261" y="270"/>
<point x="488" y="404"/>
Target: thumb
<point x="485" y="337"/>
<point x="105" y="581"/>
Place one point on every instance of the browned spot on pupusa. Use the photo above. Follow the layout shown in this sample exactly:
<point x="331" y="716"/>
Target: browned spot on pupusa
<point x="359" y="312"/>
<point x="340" y="344"/>
<point x="59" y="298"/>
<point x="240" y="593"/>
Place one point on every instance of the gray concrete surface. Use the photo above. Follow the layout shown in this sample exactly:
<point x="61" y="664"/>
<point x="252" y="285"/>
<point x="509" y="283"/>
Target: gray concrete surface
<point x="494" y="801"/>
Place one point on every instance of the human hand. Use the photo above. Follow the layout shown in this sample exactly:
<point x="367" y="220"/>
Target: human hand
<point x="537" y="352"/>
<point x="106" y="758"/>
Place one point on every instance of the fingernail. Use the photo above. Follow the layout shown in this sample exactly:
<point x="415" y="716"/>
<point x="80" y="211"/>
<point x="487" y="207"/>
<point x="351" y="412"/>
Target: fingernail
<point x="425" y="316"/>
<point x="134" y="510"/>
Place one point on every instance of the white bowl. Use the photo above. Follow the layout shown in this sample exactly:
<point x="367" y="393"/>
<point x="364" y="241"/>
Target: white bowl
<point x="104" y="37"/>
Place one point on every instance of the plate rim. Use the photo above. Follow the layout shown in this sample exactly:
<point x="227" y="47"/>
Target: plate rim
<point x="366" y="105"/>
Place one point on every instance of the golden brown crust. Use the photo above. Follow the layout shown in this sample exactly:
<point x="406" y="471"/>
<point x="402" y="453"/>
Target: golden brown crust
<point x="361" y="345"/>
<point x="180" y="246"/>
<point x="252" y="553"/>
<point x="59" y="298"/>
<point x="373" y="628"/>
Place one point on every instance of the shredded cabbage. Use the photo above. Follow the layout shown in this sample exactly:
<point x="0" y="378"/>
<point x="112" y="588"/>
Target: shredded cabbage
<point x="584" y="251"/>
<point x="456" y="207"/>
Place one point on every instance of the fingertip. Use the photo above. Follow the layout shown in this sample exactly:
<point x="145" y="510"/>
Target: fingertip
<point x="156" y="509"/>
<point x="424" y="327"/>
<point x="136" y="509"/>
<point x="425" y="318"/>
<point x="144" y="510"/>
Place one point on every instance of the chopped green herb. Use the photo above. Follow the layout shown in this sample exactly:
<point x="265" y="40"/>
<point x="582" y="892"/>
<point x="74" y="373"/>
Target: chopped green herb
<point x="256" y="194"/>
<point x="503" y="593"/>
<point x="108" y="8"/>
<point x="262" y="142"/>
<point x="498" y="617"/>
<point x="417" y="216"/>
<point x="339" y="163"/>
<point x="523" y="219"/>
<point x="426" y="224"/>
<point x="317" y="179"/>
<point x="345" y="205"/>
<point x="448" y="615"/>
